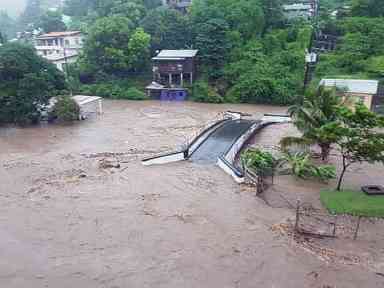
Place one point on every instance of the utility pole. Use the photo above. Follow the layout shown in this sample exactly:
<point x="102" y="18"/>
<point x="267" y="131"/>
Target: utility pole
<point x="66" y="70"/>
<point x="311" y="57"/>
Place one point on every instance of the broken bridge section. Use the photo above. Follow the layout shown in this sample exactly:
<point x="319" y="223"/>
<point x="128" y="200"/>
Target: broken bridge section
<point x="220" y="141"/>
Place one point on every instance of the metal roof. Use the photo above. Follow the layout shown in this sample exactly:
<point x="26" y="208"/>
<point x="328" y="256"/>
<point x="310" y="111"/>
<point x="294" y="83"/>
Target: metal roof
<point x="168" y="58"/>
<point x="353" y="85"/>
<point x="177" y="53"/>
<point x="82" y="99"/>
<point x="297" y="6"/>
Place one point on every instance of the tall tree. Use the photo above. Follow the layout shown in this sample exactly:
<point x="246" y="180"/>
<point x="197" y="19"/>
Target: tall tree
<point x="213" y="44"/>
<point x="27" y="81"/>
<point x="370" y="8"/>
<point x="52" y="21"/>
<point x="7" y="25"/>
<point x="168" y="28"/>
<point x="314" y="117"/>
<point x="273" y="14"/>
<point x="113" y="45"/>
<point x="152" y="4"/>
<point x="31" y="14"/>
<point x="359" y="139"/>
<point x="78" y="7"/>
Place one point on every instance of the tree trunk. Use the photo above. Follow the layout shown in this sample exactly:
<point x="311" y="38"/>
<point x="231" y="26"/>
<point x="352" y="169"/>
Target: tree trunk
<point x="325" y="150"/>
<point x="345" y="166"/>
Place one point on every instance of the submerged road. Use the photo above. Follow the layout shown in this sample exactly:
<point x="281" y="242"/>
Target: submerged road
<point x="220" y="141"/>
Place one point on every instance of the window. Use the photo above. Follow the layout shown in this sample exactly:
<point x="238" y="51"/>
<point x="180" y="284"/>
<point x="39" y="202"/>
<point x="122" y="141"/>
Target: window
<point x="66" y="42"/>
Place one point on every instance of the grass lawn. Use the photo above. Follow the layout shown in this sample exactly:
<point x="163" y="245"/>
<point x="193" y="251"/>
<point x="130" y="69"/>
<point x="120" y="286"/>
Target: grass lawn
<point x="352" y="202"/>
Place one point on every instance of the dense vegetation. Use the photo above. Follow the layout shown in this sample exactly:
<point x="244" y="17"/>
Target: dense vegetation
<point x="248" y="51"/>
<point x="360" y="53"/>
<point x="27" y="82"/>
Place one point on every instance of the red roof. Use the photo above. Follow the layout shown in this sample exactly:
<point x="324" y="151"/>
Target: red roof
<point x="59" y="34"/>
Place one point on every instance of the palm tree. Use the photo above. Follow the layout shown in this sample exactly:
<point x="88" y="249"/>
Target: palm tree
<point x="313" y="118"/>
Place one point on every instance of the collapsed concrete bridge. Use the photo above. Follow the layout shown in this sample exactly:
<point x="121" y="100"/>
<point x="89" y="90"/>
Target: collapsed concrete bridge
<point x="221" y="142"/>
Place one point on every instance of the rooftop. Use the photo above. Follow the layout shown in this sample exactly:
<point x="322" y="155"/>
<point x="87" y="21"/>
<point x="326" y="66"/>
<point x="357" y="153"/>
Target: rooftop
<point x="297" y="6"/>
<point x="58" y="34"/>
<point x="353" y="85"/>
<point x="176" y="54"/>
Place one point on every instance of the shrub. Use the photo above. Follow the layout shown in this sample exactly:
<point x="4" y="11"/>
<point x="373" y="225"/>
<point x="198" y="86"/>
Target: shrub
<point x="202" y="92"/>
<point x="300" y="165"/>
<point x="261" y="162"/>
<point x="114" y="90"/>
<point x="66" y="109"/>
<point x="131" y="94"/>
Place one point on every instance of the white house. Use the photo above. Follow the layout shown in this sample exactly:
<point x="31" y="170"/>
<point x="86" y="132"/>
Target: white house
<point x="362" y="90"/>
<point x="59" y="47"/>
<point x="299" y="10"/>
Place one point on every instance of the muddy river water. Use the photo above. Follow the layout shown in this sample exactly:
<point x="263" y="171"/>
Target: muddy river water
<point x="68" y="221"/>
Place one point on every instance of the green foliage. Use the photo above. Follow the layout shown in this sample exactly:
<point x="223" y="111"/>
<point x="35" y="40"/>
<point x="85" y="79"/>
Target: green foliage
<point x="114" y="90"/>
<point x="138" y="50"/>
<point x="359" y="140"/>
<point x="113" y="47"/>
<point x="273" y="14"/>
<point x="375" y="66"/>
<point x="211" y="39"/>
<point x="357" y="50"/>
<point x="354" y="203"/>
<point x="202" y="92"/>
<point x="27" y="81"/>
<point x="316" y="118"/>
<point x="267" y="71"/>
<point x="369" y="8"/>
<point x="300" y="165"/>
<point x="261" y="162"/>
<point x="32" y="12"/>
<point x="132" y="94"/>
<point x="7" y="26"/>
<point x="65" y="109"/>
<point x="168" y="29"/>
<point x="52" y="21"/>
<point x="78" y="7"/>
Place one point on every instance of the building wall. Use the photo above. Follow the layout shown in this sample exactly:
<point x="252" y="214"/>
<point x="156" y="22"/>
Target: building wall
<point x="60" y="64"/>
<point x="365" y="98"/>
<point x="55" y="46"/>
<point x="172" y="66"/>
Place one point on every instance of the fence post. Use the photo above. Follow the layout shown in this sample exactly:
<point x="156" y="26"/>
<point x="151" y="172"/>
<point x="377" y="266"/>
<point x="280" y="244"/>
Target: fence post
<point x="297" y="216"/>
<point x="357" y="228"/>
<point x="334" y="227"/>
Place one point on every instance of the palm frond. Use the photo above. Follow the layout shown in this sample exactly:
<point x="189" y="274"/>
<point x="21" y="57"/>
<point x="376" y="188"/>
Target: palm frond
<point x="295" y="141"/>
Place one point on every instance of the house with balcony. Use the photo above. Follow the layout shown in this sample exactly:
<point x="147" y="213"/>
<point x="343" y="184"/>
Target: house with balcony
<point x="60" y="48"/>
<point x="303" y="10"/>
<point x="173" y="71"/>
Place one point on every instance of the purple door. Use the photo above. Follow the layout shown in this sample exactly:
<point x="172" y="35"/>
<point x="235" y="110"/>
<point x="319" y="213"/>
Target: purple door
<point x="173" y="95"/>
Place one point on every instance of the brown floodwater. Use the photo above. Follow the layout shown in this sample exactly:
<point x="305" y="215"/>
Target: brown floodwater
<point x="69" y="220"/>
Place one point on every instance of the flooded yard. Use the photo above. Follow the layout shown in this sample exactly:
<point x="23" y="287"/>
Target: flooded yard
<point x="69" y="220"/>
